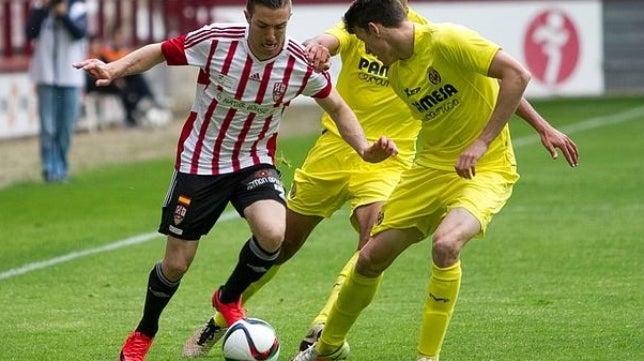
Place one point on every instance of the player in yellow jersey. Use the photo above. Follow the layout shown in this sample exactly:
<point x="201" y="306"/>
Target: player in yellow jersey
<point x="463" y="88"/>
<point x="332" y="176"/>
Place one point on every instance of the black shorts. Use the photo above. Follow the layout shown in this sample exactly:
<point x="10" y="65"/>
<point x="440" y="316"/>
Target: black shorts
<point x="195" y="202"/>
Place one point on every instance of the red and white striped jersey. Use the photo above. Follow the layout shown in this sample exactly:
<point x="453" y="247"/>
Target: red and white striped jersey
<point x="239" y="100"/>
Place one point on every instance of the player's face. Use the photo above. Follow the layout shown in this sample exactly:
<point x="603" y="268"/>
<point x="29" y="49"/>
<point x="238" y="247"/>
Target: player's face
<point x="376" y="45"/>
<point x="267" y="30"/>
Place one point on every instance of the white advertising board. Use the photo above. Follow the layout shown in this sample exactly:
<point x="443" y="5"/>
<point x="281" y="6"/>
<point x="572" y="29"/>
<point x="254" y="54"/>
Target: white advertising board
<point x="18" y="113"/>
<point x="560" y="42"/>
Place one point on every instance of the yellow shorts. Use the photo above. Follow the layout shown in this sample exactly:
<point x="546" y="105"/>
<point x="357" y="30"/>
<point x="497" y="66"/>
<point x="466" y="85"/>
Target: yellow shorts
<point x="333" y="174"/>
<point x="425" y="195"/>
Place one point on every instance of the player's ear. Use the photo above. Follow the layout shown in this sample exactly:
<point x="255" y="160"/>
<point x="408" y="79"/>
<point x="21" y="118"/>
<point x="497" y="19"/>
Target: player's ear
<point x="247" y="15"/>
<point x="373" y="28"/>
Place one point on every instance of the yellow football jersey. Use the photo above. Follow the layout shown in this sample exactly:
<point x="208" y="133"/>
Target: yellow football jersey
<point x="445" y="85"/>
<point x="363" y="83"/>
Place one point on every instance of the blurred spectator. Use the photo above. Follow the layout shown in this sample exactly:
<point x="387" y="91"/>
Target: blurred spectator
<point x="133" y="90"/>
<point x="59" y="28"/>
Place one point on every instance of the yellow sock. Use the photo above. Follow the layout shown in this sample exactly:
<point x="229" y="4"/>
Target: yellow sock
<point x="356" y="294"/>
<point x="324" y="313"/>
<point x="257" y="285"/>
<point x="442" y="293"/>
<point x="249" y="292"/>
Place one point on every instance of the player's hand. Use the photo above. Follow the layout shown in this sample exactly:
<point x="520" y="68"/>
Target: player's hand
<point x="97" y="69"/>
<point x="466" y="164"/>
<point x="319" y="56"/>
<point x="380" y="150"/>
<point x="553" y="139"/>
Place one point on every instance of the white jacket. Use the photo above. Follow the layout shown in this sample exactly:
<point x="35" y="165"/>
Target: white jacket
<point x="56" y="48"/>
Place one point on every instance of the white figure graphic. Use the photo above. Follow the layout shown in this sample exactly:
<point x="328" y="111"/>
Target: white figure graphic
<point x="552" y="36"/>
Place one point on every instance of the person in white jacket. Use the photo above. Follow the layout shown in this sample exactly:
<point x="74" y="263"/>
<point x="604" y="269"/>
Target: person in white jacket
<point x="59" y="28"/>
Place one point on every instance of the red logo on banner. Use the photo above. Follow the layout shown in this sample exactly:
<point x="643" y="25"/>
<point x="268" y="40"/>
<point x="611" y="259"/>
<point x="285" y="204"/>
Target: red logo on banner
<point x="551" y="47"/>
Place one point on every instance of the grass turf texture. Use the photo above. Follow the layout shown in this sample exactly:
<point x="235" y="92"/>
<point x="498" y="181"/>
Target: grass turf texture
<point x="558" y="276"/>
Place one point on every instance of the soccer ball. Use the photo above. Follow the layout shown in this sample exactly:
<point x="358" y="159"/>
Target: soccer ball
<point x="251" y="339"/>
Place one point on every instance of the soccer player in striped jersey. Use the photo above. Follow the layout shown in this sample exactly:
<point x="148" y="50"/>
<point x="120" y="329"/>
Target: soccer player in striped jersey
<point x="333" y="175"/>
<point x="464" y="89"/>
<point x="249" y="74"/>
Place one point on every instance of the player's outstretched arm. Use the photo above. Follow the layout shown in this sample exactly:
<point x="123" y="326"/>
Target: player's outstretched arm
<point x="351" y="131"/>
<point x="551" y="138"/>
<point x="320" y="49"/>
<point x="136" y="62"/>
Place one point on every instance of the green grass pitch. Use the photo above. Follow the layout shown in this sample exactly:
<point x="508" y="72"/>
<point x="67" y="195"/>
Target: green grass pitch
<point x="558" y="277"/>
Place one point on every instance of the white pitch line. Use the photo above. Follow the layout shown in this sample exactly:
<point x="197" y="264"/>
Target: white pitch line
<point x="142" y="238"/>
<point x="588" y="124"/>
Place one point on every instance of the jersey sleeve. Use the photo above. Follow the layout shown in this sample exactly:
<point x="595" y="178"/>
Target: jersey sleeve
<point x="173" y="51"/>
<point x="339" y="32"/>
<point x="319" y="85"/>
<point x="188" y="49"/>
<point x="313" y="84"/>
<point x="467" y="48"/>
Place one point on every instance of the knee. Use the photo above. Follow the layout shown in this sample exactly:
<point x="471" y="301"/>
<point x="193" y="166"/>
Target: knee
<point x="445" y="251"/>
<point x="175" y="266"/>
<point x="270" y="240"/>
<point x="368" y="265"/>
<point x="174" y="269"/>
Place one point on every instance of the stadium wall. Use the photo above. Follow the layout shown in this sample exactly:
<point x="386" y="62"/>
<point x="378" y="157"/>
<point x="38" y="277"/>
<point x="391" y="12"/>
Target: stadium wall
<point x="560" y="41"/>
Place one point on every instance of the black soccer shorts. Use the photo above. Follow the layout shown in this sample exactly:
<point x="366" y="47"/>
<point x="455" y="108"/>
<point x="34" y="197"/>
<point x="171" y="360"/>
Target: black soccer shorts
<point x="194" y="203"/>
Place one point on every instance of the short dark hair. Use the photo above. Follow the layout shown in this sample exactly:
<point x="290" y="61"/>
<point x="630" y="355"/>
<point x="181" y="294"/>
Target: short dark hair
<point x="388" y="13"/>
<point x="271" y="4"/>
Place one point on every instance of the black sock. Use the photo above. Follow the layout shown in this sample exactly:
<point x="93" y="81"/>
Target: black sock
<point x="160" y="291"/>
<point x="253" y="263"/>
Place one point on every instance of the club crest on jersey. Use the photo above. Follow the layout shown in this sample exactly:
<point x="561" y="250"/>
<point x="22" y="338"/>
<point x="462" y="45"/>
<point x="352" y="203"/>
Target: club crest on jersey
<point x="279" y="89"/>
<point x="433" y="76"/>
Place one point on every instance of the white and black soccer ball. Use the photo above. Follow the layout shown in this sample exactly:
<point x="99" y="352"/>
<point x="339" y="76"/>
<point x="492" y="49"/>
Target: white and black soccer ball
<point x="251" y="339"/>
